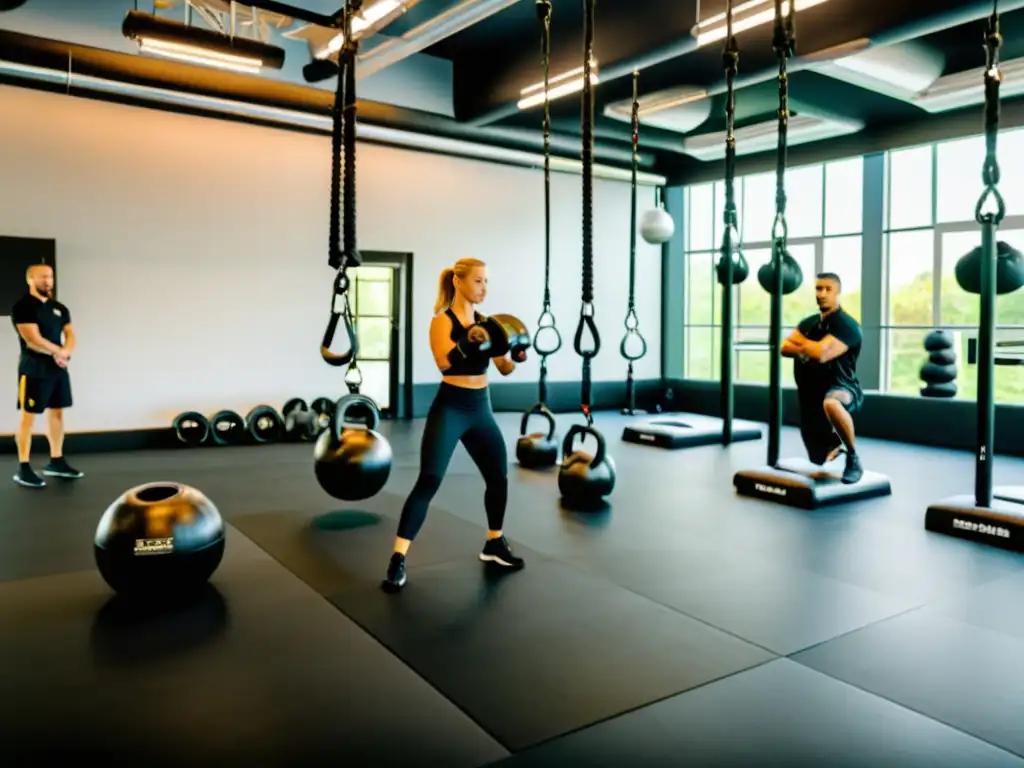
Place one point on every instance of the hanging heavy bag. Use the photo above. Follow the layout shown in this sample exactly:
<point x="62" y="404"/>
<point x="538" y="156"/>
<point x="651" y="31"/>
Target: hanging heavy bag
<point x="352" y="459"/>
<point x="740" y="268"/>
<point x="792" y="274"/>
<point x="537" y="450"/>
<point x="1009" y="270"/>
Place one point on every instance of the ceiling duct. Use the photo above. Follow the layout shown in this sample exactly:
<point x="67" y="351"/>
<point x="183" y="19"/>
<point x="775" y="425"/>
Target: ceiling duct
<point x="292" y="118"/>
<point x="965" y="89"/>
<point x="450" y="22"/>
<point x="899" y="70"/>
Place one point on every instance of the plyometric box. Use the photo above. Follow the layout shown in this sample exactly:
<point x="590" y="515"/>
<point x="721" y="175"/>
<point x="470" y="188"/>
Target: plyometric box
<point x="17" y="254"/>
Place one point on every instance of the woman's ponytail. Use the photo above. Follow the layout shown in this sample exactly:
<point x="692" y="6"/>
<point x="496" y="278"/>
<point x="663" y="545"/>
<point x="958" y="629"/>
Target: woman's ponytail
<point x="445" y="290"/>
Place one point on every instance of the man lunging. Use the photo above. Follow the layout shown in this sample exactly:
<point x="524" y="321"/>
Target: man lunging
<point x="825" y="347"/>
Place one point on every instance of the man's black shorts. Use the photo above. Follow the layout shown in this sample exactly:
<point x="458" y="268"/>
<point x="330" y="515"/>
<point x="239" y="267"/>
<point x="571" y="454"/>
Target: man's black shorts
<point x="816" y="430"/>
<point x="36" y="394"/>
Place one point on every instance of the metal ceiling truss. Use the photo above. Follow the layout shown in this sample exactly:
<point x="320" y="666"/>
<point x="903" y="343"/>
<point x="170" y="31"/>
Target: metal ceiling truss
<point x="231" y="18"/>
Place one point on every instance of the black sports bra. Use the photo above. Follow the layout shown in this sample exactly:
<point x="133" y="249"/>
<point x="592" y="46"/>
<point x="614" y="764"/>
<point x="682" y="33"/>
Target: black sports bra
<point x="464" y="367"/>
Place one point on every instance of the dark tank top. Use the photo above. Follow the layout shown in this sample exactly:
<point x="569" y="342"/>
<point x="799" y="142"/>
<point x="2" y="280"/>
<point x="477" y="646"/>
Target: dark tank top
<point x="464" y="367"/>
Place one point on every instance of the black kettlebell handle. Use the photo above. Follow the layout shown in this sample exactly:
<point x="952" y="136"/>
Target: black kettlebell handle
<point x="539" y="409"/>
<point x="347" y="403"/>
<point x="584" y="430"/>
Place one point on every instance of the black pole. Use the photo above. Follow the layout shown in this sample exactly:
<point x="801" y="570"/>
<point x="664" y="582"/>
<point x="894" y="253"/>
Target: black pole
<point x="986" y="366"/>
<point x="728" y="398"/>
<point x="775" y="350"/>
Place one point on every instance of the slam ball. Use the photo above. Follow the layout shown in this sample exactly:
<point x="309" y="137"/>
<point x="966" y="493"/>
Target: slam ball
<point x="159" y="540"/>
<point x="656" y="226"/>
<point x="353" y="462"/>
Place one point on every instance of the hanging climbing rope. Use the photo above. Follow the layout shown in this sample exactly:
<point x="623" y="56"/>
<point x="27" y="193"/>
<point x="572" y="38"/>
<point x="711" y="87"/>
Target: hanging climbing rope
<point x="782" y="275"/>
<point x="584" y="480"/>
<point x="342" y="250"/>
<point x="732" y="268"/>
<point x="540" y="449"/>
<point x="632" y="322"/>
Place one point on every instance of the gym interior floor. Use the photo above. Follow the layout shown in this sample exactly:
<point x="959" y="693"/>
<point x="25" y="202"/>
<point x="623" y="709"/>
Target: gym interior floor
<point x="684" y="626"/>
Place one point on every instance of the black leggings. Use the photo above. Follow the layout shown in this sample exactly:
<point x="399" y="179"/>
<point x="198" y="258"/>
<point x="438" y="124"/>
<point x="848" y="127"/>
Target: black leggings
<point x="459" y="414"/>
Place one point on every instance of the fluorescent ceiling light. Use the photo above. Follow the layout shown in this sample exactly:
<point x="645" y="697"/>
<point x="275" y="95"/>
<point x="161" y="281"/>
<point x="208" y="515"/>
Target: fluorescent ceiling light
<point x="323" y="123"/>
<point x="173" y="40"/>
<point x="966" y="89"/>
<point x="558" y="86"/>
<point x="745" y="16"/>
<point x="360" y="23"/>
<point x="675" y="109"/>
<point x="761" y="137"/>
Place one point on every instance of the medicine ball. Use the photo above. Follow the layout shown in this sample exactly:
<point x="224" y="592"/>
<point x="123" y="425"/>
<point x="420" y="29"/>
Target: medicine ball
<point x="160" y="540"/>
<point x="352" y="459"/>
<point x="656" y="226"/>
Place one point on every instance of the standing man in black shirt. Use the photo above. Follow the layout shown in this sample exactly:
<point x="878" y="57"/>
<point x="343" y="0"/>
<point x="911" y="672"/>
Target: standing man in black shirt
<point x="825" y="347"/>
<point x="47" y="341"/>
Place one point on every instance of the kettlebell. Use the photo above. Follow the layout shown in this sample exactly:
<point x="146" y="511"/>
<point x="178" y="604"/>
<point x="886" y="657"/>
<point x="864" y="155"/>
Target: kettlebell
<point x="353" y="461"/>
<point x="585" y="480"/>
<point x="537" y="450"/>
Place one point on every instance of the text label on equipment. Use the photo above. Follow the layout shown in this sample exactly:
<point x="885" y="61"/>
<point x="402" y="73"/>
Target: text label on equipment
<point x="154" y="546"/>
<point x="990" y="530"/>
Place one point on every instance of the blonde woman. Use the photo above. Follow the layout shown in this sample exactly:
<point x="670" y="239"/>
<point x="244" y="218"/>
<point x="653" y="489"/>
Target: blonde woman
<point x="461" y="411"/>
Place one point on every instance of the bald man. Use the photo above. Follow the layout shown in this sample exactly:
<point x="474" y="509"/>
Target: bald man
<point x="44" y="386"/>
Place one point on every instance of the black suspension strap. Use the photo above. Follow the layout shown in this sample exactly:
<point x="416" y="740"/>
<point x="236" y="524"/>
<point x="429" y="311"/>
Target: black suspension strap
<point x="546" y="321"/>
<point x="342" y="250"/>
<point x="730" y="232"/>
<point x="587" y="322"/>
<point x="784" y="42"/>
<point x="632" y="322"/>
<point x="989" y="220"/>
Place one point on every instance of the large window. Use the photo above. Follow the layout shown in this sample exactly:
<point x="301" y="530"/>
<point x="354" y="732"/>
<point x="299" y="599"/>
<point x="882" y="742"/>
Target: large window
<point x="823" y="214"/>
<point x="932" y="194"/>
<point x="927" y="214"/>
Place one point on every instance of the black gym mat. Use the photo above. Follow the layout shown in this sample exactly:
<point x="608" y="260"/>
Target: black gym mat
<point x="341" y="547"/>
<point x="779" y="715"/>
<point x="959" y="674"/>
<point x="263" y="671"/>
<point x="538" y="653"/>
<point x="986" y="606"/>
<point x="777" y="606"/>
<point x="901" y="561"/>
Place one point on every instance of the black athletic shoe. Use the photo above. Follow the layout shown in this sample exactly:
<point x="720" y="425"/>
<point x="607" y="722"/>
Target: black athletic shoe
<point x="500" y="551"/>
<point x="28" y="478"/>
<point x="395" y="578"/>
<point x="854" y="471"/>
<point x="60" y="468"/>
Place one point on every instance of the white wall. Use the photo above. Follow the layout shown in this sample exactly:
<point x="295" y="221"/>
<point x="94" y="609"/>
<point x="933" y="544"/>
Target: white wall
<point x="192" y="252"/>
